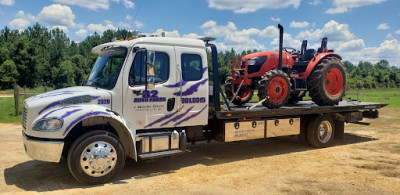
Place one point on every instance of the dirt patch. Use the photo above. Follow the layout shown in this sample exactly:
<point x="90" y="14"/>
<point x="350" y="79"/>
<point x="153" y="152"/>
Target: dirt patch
<point x="6" y="95"/>
<point x="366" y="161"/>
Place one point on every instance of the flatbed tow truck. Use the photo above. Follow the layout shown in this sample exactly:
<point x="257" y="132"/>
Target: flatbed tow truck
<point x="148" y="97"/>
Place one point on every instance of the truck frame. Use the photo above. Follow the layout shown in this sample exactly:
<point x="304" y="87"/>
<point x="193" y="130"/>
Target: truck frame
<point x="148" y="97"/>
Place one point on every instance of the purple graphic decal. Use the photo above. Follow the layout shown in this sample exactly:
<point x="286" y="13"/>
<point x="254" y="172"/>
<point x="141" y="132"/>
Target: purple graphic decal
<point x="83" y="117"/>
<point x="69" y="113"/>
<point x="52" y="94"/>
<point x="46" y="115"/>
<point x="161" y="119"/>
<point x="191" y="116"/>
<point x="95" y="97"/>
<point x="204" y="69"/>
<point x="178" y="84"/>
<point x="192" y="89"/>
<point x="50" y="105"/>
<point x="177" y="117"/>
<point x="71" y="100"/>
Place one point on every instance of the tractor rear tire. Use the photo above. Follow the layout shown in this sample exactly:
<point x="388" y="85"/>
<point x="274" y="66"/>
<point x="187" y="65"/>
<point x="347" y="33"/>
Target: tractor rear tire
<point x="327" y="83"/>
<point x="244" y="95"/>
<point x="275" y="87"/>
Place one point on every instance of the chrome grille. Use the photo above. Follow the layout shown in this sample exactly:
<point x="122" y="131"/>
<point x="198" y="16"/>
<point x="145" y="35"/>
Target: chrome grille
<point x="24" y="113"/>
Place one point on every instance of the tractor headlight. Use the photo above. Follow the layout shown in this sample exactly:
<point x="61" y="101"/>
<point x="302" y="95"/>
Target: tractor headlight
<point x="252" y="62"/>
<point x="51" y="124"/>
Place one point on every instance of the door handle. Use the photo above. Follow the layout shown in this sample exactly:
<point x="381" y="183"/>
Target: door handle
<point x="170" y="104"/>
<point x="137" y="92"/>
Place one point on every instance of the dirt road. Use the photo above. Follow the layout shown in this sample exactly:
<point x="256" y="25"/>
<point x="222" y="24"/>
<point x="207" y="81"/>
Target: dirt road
<point x="366" y="161"/>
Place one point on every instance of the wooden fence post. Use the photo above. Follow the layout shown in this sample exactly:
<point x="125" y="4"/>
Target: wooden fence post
<point x="16" y="99"/>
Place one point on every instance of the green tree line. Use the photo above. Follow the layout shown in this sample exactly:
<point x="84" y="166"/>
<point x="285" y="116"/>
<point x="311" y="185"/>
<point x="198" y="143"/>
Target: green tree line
<point x="38" y="56"/>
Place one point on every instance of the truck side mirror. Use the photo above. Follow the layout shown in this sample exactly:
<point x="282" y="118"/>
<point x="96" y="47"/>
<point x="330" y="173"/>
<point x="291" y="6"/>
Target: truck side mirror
<point x="150" y="61"/>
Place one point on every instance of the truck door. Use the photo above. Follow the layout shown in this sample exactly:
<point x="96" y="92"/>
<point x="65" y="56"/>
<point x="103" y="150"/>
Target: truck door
<point x="145" y="108"/>
<point x="193" y="96"/>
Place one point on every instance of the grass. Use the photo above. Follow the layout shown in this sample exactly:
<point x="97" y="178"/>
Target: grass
<point x="7" y="113"/>
<point x="391" y="96"/>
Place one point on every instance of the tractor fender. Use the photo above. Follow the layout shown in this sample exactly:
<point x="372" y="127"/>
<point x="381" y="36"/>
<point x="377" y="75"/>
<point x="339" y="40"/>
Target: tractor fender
<point x="88" y="115"/>
<point x="316" y="60"/>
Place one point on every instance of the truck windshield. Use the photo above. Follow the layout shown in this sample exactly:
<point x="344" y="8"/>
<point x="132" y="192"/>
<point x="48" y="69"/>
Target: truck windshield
<point x="107" y="67"/>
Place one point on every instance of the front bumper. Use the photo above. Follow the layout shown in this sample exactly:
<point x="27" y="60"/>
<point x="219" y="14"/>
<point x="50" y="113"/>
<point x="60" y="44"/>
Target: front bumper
<point x="49" y="151"/>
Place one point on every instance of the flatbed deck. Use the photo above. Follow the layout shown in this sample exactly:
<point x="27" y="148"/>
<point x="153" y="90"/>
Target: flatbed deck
<point x="307" y="107"/>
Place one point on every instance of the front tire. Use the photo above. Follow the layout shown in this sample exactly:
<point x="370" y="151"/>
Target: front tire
<point x="275" y="88"/>
<point x="327" y="84"/>
<point x="321" y="131"/>
<point x="244" y="95"/>
<point x="96" y="157"/>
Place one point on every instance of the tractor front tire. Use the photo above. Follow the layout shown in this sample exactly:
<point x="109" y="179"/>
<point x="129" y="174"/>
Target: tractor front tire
<point x="327" y="83"/>
<point x="274" y="87"/>
<point x="244" y="95"/>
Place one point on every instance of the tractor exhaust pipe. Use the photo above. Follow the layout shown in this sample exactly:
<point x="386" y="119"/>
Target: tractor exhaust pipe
<point x="280" y="46"/>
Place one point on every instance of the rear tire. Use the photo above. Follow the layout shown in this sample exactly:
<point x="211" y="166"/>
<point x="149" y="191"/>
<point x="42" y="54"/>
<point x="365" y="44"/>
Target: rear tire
<point x="321" y="131"/>
<point x="96" y="157"/>
<point x="275" y="88"/>
<point x="327" y="83"/>
<point x="244" y="95"/>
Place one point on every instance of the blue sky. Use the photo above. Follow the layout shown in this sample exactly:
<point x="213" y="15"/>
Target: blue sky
<point x="359" y="30"/>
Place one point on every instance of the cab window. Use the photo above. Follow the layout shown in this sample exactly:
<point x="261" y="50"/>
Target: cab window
<point x="137" y="72"/>
<point x="191" y="67"/>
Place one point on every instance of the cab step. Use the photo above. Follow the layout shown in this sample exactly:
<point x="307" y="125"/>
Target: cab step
<point x="160" y="154"/>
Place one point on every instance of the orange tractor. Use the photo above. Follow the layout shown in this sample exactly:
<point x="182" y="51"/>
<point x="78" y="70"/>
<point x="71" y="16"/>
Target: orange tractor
<point x="284" y="76"/>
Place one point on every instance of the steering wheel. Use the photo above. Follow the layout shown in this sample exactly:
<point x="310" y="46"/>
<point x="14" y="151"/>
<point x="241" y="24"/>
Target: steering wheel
<point x="290" y="50"/>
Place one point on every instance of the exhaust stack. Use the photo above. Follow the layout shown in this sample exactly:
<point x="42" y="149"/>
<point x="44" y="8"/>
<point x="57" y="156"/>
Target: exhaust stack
<point x="280" y="46"/>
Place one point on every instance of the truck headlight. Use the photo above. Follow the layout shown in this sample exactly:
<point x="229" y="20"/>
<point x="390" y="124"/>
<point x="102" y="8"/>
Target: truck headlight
<point x="52" y="124"/>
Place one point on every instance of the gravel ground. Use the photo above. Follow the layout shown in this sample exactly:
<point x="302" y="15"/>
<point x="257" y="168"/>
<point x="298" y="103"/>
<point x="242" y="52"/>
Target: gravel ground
<point x="366" y="161"/>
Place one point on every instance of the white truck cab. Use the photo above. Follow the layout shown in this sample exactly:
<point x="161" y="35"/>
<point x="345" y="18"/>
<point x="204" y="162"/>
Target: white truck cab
<point x="142" y="91"/>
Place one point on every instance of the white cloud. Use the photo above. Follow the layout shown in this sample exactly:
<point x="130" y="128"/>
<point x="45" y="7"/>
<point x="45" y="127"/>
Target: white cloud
<point x="388" y="50"/>
<point x="211" y="28"/>
<point x="333" y="30"/>
<point x="233" y="37"/>
<point x="130" y="23"/>
<point x="88" y="4"/>
<point x="7" y="2"/>
<point x="353" y="45"/>
<point x="81" y="33"/>
<point x="192" y="36"/>
<point x="19" y="23"/>
<point x="315" y="2"/>
<point x="342" y="6"/>
<point x="96" y="5"/>
<point x="383" y="26"/>
<point x="288" y="41"/>
<point x="275" y="19"/>
<point x="22" y="20"/>
<point x="100" y="28"/>
<point x="397" y="32"/>
<point x="240" y="6"/>
<point x="174" y="33"/>
<point x="57" y="15"/>
<point x="63" y="28"/>
<point x="389" y="36"/>
<point x="127" y="3"/>
<point x="269" y="32"/>
<point x="295" y="24"/>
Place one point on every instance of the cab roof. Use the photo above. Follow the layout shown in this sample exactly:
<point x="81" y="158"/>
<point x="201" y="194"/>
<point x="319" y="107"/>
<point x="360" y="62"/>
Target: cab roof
<point x="183" y="42"/>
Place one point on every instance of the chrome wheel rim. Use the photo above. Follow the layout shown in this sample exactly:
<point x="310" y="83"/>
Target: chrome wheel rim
<point x="324" y="131"/>
<point x="98" y="159"/>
